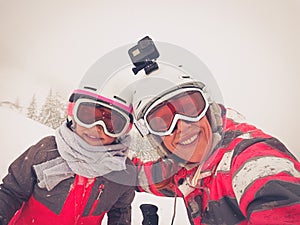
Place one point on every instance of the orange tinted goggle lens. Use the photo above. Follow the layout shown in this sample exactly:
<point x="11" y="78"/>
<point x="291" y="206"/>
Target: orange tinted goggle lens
<point x="89" y="113"/>
<point x="190" y="104"/>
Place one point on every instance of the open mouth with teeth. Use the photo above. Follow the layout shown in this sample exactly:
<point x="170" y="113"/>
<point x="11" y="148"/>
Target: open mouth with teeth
<point x="92" y="138"/>
<point x="190" y="140"/>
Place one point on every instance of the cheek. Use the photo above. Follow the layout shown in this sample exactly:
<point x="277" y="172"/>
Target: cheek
<point x="109" y="140"/>
<point x="207" y="131"/>
<point x="79" y="130"/>
<point x="168" y="142"/>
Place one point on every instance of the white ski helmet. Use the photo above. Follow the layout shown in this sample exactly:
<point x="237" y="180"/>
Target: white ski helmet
<point x="176" y="69"/>
<point x="107" y="82"/>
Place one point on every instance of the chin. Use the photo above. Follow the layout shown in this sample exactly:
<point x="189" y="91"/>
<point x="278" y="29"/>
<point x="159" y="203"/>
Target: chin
<point x="195" y="155"/>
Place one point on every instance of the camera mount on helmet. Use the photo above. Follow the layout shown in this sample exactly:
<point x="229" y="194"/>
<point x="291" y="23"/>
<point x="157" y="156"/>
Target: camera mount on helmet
<point x="143" y="56"/>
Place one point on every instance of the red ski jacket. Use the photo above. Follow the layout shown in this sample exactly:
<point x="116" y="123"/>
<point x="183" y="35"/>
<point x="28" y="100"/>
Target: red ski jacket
<point x="250" y="178"/>
<point x="75" y="200"/>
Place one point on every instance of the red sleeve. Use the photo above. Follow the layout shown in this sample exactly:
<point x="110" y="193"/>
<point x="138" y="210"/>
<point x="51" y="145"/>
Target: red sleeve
<point x="266" y="183"/>
<point x="156" y="177"/>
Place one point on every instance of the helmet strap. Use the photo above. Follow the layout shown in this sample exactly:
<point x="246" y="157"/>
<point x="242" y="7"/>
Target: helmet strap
<point x="69" y="123"/>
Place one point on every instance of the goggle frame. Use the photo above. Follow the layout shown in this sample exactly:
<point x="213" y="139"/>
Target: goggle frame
<point x="128" y="120"/>
<point x="176" y="117"/>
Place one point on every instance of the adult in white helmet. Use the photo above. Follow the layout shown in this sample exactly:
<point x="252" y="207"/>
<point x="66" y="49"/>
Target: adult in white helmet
<point x="226" y="170"/>
<point x="81" y="173"/>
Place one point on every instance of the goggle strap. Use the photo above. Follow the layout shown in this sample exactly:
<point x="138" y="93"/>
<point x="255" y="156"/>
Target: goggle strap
<point x="70" y="108"/>
<point x="206" y="95"/>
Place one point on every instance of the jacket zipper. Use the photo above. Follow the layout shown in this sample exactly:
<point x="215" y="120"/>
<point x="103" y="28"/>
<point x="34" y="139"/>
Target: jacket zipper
<point x="95" y="203"/>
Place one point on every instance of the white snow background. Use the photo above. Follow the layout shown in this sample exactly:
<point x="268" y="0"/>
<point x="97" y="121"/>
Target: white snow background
<point x="19" y="133"/>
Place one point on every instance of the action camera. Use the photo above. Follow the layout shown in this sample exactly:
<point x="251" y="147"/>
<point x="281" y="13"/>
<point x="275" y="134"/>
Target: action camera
<point x="143" y="56"/>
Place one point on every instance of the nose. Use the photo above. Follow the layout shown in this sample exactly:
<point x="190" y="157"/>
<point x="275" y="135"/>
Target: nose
<point x="99" y="129"/>
<point x="181" y="125"/>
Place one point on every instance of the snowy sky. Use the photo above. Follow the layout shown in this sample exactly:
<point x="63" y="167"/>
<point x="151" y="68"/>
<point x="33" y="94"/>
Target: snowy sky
<point x="251" y="47"/>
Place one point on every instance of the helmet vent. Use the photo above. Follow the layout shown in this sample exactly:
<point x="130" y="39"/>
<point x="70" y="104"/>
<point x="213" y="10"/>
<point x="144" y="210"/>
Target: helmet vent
<point x="120" y="99"/>
<point x="90" y="88"/>
<point x="185" y="76"/>
<point x="138" y="105"/>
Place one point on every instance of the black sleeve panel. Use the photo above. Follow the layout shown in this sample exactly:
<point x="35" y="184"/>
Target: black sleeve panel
<point x="17" y="185"/>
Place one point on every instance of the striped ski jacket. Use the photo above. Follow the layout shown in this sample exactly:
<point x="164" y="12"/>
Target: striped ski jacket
<point x="250" y="178"/>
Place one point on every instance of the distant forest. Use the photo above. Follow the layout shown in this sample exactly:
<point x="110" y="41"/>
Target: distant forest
<point x="51" y="113"/>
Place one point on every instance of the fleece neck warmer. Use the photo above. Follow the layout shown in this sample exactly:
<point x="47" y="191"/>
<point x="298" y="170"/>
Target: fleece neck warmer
<point x="78" y="157"/>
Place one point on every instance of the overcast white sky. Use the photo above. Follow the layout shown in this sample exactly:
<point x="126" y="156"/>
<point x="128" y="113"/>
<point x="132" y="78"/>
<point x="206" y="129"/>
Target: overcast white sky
<point x="252" y="47"/>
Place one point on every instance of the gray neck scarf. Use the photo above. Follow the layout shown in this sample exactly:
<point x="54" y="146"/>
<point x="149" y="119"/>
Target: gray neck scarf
<point x="87" y="160"/>
<point x="78" y="157"/>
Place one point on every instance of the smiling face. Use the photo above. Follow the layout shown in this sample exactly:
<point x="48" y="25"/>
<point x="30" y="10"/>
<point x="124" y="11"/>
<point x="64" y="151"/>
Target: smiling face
<point x="94" y="136"/>
<point x="179" y="119"/>
<point x="190" y="141"/>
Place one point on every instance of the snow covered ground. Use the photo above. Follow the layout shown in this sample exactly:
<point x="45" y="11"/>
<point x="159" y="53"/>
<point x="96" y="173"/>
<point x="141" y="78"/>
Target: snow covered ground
<point x="18" y="133"/>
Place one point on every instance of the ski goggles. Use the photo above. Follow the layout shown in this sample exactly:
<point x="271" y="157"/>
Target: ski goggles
<point x="188" y="104"/>
<point x="89" y="113"/>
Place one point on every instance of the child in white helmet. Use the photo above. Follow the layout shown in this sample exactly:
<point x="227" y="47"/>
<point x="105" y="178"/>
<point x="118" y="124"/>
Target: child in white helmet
<point x="81" y="173"/>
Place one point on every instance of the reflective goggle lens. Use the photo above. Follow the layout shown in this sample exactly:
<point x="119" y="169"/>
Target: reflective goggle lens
<point x="188" y="105"/>
<point x="89" y="113"/>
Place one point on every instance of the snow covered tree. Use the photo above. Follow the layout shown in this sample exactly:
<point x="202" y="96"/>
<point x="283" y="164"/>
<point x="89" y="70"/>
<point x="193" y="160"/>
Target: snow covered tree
<point x="53" y="111"/>
<point x="32" y="109"/>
